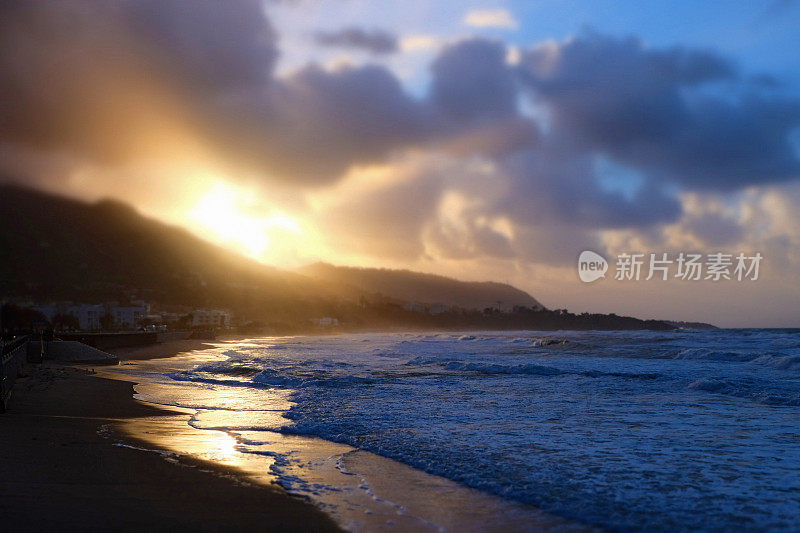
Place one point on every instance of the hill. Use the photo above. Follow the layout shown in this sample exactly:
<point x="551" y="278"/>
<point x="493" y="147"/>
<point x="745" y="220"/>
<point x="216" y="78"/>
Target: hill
<point x="55" y="248"/>
<point x="409" y="286"/>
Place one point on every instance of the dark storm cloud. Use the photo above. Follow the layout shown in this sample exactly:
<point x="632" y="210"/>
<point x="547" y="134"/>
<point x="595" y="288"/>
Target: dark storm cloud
<point x="608" y="92"/>
<point x="210" y="42"/>
<point x="373" y="41"/>
<point x="314" y="125"/>
<point x="106" y="79"/>
<point x="558" y="184"/>
<point x="667" y="112"/>
<point x="471" y="82"/>
<point x="553" y="180"/>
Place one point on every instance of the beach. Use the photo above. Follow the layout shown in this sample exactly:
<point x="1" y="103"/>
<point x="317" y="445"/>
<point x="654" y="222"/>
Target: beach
<point x="83" y="453"/>
<point x="512" y="431"/>
<point x="62" y="469"/>
<point x="480" y="431"/>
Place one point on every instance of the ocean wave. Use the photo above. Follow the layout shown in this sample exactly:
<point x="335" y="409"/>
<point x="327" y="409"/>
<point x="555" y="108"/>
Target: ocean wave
<point x="616" y="429"/>
<point x="708" y="354"/>
<point x="626" y="375"/>
<point x="191" y="376"/>
<point x="781" y="362"/>
<point x="226" y="369"/>
<point x="550" y="341"/>
<point x="276" y="379"/>
<point x="490" y="368"/>
<point x="749" y="389"/>
<point x="786" y="342"/>
<point x="424" y="360"/>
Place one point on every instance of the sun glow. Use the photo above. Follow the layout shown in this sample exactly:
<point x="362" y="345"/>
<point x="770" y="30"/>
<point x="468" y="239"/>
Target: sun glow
<point x="232" y="217"/>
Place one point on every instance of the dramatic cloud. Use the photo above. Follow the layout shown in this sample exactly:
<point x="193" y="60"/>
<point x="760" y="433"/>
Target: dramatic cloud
<point x="374" y="41"/>
<point x="347" y="117"/>
<point x="554" y="183"/>
<point x="660" y="111"/>
<point x="521" y="157"/>
<point x="471" y="81"/>
<point x="125" y="79"/>
<point x="158" y="79"/>
<point x="225" y="44"/>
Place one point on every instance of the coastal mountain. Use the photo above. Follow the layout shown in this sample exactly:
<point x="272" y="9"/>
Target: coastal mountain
<point x="421" y="288"/>
<point x="58" y="249"/>
<point x="55" y="248"/>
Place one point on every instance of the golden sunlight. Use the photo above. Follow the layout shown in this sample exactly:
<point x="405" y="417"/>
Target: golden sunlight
<point x="231" y="217"/>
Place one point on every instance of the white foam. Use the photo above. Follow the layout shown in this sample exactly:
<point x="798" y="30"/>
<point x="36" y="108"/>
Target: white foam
<point x="626" y="430"/>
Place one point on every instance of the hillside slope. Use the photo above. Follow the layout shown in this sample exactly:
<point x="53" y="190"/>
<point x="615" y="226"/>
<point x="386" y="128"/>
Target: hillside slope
<point x="411" y="286"/>
<point x="57" y="248"/>
<point x="54" y="248"/>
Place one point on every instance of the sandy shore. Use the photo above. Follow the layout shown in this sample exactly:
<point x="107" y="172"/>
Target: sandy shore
<point x="60" y="470"/>
<point x="79" y="452"/>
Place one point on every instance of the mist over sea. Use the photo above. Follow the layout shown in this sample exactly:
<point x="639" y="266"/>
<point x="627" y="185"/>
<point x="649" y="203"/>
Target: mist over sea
<point x="685" y="430"/>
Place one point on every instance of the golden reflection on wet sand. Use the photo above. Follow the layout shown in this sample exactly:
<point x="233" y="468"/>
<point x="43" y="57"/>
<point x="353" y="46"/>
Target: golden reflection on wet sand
<point x="360" y="490"/>
<point x="172" y="433"/>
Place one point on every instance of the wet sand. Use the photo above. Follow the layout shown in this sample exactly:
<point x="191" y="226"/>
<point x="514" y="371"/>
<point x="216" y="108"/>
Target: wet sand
<point x="60" y="468"/>
<point x="359" y="490"/>
<point x="79" y="452"/>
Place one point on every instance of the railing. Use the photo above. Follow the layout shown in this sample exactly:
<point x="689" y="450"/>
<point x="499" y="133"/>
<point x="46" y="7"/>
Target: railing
<point x="13" y="357"/>
<point x="10" y="346"/>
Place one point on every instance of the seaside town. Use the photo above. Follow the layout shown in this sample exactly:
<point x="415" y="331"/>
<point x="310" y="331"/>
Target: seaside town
<point x="141" y="316"/>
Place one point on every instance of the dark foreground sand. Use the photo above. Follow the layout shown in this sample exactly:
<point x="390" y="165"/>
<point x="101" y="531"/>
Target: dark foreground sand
<point x="58" y="471"/>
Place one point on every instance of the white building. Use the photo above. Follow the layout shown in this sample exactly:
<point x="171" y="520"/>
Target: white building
<point x="88" y="316"/>
<point x="128" y="317"/>
<point x="211" y="318"/>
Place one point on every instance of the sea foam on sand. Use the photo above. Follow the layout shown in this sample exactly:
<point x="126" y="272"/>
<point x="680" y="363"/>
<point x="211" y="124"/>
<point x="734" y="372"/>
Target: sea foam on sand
<point x="690" y="430"/>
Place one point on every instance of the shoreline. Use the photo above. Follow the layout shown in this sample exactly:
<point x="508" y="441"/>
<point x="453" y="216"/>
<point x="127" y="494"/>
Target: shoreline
<point x="359" y="490"/>
<point x="61" y="469"/>
<point x="172" y="348"/>
<point x="128" y="463"/>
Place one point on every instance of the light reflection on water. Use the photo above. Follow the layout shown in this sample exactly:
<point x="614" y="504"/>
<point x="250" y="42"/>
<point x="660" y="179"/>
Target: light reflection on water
<point x="172" y="433"/>
<point x="663" y="430"/>
<point x="360" y="490"/>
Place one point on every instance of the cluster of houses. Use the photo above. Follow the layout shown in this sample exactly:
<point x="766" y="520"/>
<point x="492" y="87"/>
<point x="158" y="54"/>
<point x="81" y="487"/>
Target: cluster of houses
<point x="213" y="318"/>
<point x="138" y="315"/>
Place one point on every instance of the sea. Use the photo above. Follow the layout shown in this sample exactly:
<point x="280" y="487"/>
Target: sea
<point x="688" y="430"/>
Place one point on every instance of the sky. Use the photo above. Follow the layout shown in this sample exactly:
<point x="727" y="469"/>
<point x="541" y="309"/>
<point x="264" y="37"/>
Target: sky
<point x="480" y="140"/>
